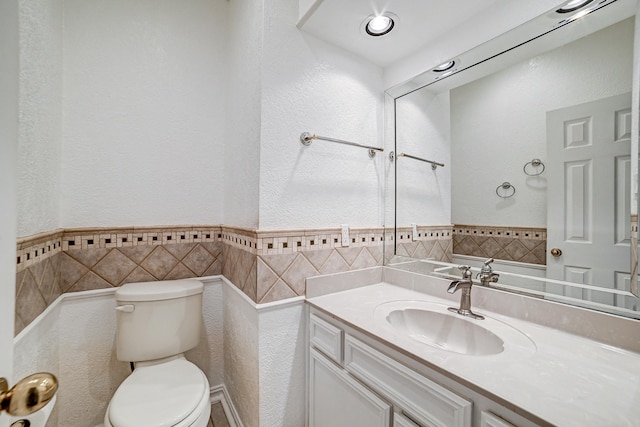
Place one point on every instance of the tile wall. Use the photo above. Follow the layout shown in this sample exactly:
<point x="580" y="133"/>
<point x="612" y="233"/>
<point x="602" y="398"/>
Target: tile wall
<point x="527" y="245"/>
<point x="266" y="265"/>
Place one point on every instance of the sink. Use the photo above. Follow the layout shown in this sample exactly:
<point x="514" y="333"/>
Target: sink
<point x="430" y="323"/>
<point x="446" y="331"/>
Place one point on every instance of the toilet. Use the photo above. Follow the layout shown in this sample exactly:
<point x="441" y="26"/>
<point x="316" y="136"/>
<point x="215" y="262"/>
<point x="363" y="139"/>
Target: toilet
<point x="156" y="322"/>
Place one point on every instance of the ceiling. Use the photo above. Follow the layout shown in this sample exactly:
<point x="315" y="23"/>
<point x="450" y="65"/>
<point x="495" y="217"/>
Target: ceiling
<point x="418" y="23"/>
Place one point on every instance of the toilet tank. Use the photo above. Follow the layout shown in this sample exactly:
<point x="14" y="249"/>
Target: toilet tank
<point x="157" y="319"/>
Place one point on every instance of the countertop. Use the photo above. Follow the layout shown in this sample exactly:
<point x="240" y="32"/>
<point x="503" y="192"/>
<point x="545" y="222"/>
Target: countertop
<point x="564" y="379"/>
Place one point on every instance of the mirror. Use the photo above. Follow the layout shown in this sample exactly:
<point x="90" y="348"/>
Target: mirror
<point x="534" y="131"/>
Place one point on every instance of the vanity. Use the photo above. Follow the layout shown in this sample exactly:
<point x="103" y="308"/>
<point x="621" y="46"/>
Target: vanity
<point x="385" y="351"/>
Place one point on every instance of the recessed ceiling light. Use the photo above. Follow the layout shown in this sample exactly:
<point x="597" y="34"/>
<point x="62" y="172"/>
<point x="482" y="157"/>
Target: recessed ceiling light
<point x="379" y="25"/>
<point x="444" y="67"/>
<point x="573" y="6"/>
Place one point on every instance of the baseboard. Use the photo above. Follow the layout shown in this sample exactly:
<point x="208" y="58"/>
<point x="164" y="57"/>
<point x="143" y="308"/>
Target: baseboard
<point x="219" y="394"/>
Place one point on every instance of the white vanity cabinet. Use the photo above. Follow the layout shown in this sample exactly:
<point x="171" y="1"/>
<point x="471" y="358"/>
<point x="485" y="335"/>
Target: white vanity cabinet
<point x="356" y="381"/>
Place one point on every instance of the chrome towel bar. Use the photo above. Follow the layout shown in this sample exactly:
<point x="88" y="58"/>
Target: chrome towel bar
<point x="434" y="165"/>
<point x="306" y="138"/>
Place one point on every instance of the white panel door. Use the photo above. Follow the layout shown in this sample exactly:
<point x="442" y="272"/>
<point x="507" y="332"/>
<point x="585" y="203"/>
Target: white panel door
<point x="588" y="157"/>
<point x="338" y="400"/>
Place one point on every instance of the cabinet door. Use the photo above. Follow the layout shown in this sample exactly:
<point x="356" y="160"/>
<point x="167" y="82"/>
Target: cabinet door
<point x="338" y="400"/>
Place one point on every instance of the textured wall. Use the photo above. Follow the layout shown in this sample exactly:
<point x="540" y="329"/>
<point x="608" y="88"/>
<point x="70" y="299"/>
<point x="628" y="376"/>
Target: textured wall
<point x="499" y="123"/>
<point x="241" y="364"/>
<point x="242" y="133"/>
<point x="311" y="86"/>
<point x="422" y="126"/>
<point x="40" y="116"/>
<point x="144" y="112"/>
<point x="283" y="339"/>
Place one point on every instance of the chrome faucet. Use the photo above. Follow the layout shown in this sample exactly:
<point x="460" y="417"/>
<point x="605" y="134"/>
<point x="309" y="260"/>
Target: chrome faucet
<point x="465" y="298"/>
<point x="486" y="274"/>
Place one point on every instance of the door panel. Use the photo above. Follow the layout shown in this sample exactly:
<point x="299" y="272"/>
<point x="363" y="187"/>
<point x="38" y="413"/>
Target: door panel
<point x="588" y="148"/>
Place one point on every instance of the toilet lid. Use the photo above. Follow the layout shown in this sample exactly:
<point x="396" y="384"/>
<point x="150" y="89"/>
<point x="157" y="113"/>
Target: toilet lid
<point x="160" y="395"/>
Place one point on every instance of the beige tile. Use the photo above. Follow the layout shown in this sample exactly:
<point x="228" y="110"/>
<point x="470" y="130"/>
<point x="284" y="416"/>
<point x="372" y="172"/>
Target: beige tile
<point x="180" y="250"/>
<point x="198" y="260"/>
<point x="137" y="254"/>
<point x="278" y="291"/>
<point x="29" y="301"/>
<point x="37" y="270"/>
<point x="70" y="271"/>
<point x="516" y="249"/>
<point x="214" y="269"/>
<point x="159" y="263"/>
<point x="295" y="276"/>
<point x="364" y="260"/>
<point x="139" y="274"/>
<point x="214" y="248"/>
<point x="180" y="271"/>
<point x="279" y="263"/>
<point x="90" y="256"/>
<point x="349" y="254"/>
<point x="318" y="258"/>
<point x="334" y="264"/>
<point x="114" y="267"/>
<point x="88" y="282"/>
<point x="50" y="286"/>
<point x="266" y="278"/>
<point x="250" y="284"/>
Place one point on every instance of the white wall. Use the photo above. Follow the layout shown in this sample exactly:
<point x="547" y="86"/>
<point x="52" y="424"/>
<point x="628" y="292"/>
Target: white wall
<point x="242" y="135"/>
<point x="40" y="116"/>
<point x="241" y="364"/>
<point x="311" y="86"/>
<point x="283" y="344"/>
<point x="9" y="83"/>
<point x="144" y="112"/>
<point x="499" y="123"/>
<point x="423" y="194"/>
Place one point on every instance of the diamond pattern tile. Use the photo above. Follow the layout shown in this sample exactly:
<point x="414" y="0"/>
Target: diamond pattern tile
<point x="295" y="276"/>
<point x="159" y="263"/>
<point x="114" y="267"/>
<point x="198" y="260"/>
<point x="508" y="248"/>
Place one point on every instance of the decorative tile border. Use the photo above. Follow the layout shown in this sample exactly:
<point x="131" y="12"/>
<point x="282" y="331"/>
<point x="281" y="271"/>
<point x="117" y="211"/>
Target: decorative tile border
<point x="266" y="265"/>
<point x="518" y="244"/>
<point x="291" y="241"/>
<point x="531" y="233"/>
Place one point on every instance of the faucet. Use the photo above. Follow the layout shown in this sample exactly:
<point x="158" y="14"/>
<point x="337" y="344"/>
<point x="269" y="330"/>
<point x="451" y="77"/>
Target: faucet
<point x="486" y="274"/>
<point x="465" y="298"/>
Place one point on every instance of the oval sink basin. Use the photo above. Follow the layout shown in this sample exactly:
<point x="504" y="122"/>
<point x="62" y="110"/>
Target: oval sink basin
<point x="449" y="332"/>
<point x="430" y="323"/>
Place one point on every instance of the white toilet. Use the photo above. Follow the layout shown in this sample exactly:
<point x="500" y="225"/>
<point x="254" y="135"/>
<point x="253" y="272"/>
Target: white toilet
<point x="156" y="322"/>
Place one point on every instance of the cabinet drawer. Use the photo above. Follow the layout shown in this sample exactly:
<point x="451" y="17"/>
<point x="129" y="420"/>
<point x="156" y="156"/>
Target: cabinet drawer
<point x="424" y="400"/>
<point x="326" y="338"/>
<point x="487" y="419"/>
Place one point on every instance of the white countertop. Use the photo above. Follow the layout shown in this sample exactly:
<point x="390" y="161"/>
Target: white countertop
<point x="564" y="379"/>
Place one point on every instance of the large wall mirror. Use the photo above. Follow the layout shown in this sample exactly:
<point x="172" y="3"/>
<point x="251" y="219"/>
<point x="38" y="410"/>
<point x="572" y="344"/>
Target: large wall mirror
<point x="521" y="151"/>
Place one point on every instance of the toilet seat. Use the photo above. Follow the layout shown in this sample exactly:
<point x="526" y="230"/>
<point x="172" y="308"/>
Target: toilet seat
<point x="166" y="394"/>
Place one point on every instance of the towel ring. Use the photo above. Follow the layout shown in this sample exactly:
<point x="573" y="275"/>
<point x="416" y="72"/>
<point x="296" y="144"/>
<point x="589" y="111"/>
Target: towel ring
<point x="535" y="163"/>
<point x="508" y="190"/>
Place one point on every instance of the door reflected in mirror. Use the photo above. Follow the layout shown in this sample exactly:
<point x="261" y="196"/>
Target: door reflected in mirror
<point x="537" y="157"/>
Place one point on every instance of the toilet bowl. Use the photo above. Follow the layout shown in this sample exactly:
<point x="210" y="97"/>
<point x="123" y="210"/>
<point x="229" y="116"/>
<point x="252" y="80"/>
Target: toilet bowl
<point x="155" y="323"/>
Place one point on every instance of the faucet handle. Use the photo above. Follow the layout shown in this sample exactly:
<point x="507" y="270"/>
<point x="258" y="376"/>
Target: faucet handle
<point x="466" y="271"/>
<point x="489" y="261"/>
